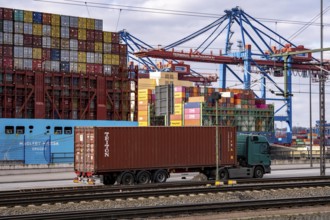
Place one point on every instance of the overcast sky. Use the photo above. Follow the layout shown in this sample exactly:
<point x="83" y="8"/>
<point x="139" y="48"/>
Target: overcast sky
<point x="165" y="25"/>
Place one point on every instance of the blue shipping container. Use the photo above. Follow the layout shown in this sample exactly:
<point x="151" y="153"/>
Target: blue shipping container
<point x="55" y="54"/>
<point x="37" y="17"/>
<point x="192" y="105"/>
<point x="65" y="67"/>
<point x="18" y="15"/>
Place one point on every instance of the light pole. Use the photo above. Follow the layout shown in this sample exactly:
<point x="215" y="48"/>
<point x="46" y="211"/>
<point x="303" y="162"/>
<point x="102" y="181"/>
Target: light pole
<point x="215" y="99"/>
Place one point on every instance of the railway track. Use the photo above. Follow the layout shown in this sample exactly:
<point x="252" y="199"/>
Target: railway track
<point x="77" y="194"/>
<point x="188" y="209"/>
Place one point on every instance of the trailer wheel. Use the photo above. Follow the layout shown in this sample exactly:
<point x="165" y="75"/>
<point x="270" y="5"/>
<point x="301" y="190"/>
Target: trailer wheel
<point x="143" y="177"/>
<point x="127" y="178"/>
<point x="258" y="172"/>
<point x="223" y="174"/>
<point x="160" y="176"/>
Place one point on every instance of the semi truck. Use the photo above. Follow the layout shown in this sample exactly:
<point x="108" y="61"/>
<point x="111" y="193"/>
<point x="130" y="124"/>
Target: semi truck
<point x="141" y="155"/>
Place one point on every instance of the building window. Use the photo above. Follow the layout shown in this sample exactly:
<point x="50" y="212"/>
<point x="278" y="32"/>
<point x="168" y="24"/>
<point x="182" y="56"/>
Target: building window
<point x="9" y="129"/>
<point x="58" y="130"/>
<point x="67" y="130"/>
<point x="20" y="130"/>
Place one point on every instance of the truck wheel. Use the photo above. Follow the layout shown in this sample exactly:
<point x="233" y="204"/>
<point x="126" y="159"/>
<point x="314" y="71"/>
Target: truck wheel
<point x="127" y="178"/>
<point x="223" y="174"/>
<point x="258" y="172"/>
<point x="143" y="177"/>
<point x="160" y="176"/>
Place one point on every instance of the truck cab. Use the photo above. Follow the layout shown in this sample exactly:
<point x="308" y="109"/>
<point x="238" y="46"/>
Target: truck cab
<point x="253" y="156"/>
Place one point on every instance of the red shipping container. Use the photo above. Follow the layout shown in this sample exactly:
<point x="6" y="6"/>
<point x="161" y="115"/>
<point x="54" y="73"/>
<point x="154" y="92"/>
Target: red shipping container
<point x="115" y="48"/>
<point x="90" y="68"/>
<point x="115" y="38"/>
<point x="98" y="68"/>
<point x="1" y="50"/>
<point x="74" y="33"/>
<point x="123" y="61"/>
<point x="114" y="70"/>
<point x="192" y="122"/>
<point x="37" y="65"/>
<point x="8" y="14"/>
<point x="122" y="49"/>
<point x="99" y="36"/>
<point x="28" y="40"/>
<point x="90" y="35"/>
<point x="8" y="63"/>
<point x="46" y="18"/>
<point x="81" y="45"/>
<point x="7" y="51"/>
<point x="46" y="54"/>
<point x="37" y="41"/>
<point x="90" y="46"/>
<point x="1" y="13"/>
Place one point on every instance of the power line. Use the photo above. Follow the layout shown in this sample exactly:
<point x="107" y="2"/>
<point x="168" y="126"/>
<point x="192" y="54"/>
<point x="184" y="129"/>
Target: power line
<point x="168" y="11"/>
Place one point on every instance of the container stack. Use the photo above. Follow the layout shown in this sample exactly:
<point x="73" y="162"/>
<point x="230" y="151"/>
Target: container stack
<point x="60" y="62"/>
<point x="145" y="99"/>
<point x="179" y="99"/>
<point x="192" y="114"/>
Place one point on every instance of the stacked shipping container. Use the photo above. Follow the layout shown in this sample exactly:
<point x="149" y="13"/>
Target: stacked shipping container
<point x="57" y="66"/>
<point x="145" y="99"/>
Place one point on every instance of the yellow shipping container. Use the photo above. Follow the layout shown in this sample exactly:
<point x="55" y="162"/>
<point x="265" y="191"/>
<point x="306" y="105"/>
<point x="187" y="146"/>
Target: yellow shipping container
<point x="143" y="97"/>
<point x="37" y="29"/>
<point x="82" y="57"/>
<point x="107" y="59"/>
<point x="98" y="47"/>
<point x="196" y="99"/>
<point x="179" y="95"/>
<point x="28" y="16"/>
<point x="107" y="36"/>
<point x="82" y="23"/>
<point x="115" y="59"/>
<point x="143" y="102"/>
<point x="177" y="111"/>
<point x="37" y="53"/>
<point x="143" y="123"/>
<point x="142" y="113"/>
<point x="81" y="34"/>
<point x="143" y="118"/>
<point x="56" y="20"/>
<point x="90" y="23"/>
<point x="144" y="91"/>
<point x="176" y="123"/>
<point x="56" y="31"/>
<point x="81" y="67"/>
<point x="177" y="106"/>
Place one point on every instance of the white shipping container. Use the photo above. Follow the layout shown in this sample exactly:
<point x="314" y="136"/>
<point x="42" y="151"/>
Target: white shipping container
<point x="18" y="39"/>
<point x="107" y="69"/>
<point x="98" y="58"/>
<point x="74" y="22"/>
<point x="73" y="44"/>
<point x="47" y="65"/>
<point x="55" y="66"/>
<point x="27" y="52"/>
<point x="65" y="55"/>
<point x="18" y="52"/>
<point x="65" y="21"/>
<point x="7" y="38"/>
<point x="27" y="28"/>
<point x="18" y="64"/>
<point x="28" y="64"/>
<point x="46" y="30"/>
<point x="73" y="56"/>
<point x="19" y="27"/>
<point x="46" y="42"/>
<point x="8" y="26"/>
<point x="65" y="32"/>
<point x="106" y="48"/>
<point x="73" y="67"/>
<point x="90" y="57"/>
<point x="98" y="24"/>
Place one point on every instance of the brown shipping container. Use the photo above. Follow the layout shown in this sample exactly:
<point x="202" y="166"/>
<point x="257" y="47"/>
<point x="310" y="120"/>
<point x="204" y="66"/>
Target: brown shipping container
<point x="46" y="18"/>
<point x="104" y="149"/>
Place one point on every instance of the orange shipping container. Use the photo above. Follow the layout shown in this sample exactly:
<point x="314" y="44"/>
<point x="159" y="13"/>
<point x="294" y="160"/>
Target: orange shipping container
<point x="142" y="107"/>
<point x="142" y="113"/>
<point x="178" y="100"/>
<point x="176" y="117"/>
<point x="143" y="102"/>
<point x="192" y="122"/>
<point x="144" y="91"/>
